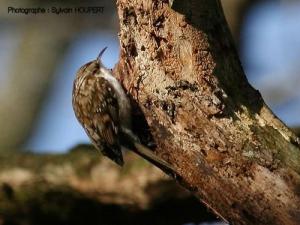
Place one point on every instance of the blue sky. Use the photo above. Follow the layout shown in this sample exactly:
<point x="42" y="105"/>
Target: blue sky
<point x="270" y="55"/>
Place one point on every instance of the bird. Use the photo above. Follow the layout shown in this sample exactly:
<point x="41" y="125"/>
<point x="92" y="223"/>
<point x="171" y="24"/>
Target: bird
<point x="104" y="110"/>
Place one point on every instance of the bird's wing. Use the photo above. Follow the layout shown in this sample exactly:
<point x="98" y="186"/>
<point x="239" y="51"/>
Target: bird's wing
<point x="106" y="123"/>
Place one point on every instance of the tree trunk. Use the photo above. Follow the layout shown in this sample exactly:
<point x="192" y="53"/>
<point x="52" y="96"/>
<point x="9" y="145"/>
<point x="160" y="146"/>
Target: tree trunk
<point x="180" y="66"/>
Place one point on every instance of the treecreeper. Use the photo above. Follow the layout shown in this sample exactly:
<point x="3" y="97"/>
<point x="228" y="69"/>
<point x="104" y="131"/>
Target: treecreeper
<point x="104" y="111"/>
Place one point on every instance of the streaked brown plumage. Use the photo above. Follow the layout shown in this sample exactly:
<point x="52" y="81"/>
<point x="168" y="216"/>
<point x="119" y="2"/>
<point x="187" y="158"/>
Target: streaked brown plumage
<point x="103" y="109"/>
<point x="95" y="103"/>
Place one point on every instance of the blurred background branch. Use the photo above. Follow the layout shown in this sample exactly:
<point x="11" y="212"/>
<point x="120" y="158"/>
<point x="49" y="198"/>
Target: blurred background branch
<point x="81" y="188"/>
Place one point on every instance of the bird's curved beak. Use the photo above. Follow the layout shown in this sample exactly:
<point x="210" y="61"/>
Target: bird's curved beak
<point x="100" y="55"/>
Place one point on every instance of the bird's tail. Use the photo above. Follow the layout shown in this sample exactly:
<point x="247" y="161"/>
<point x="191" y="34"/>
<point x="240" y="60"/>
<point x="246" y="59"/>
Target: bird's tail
<point x="134" y="144"/>
<point x="151" y="157"/>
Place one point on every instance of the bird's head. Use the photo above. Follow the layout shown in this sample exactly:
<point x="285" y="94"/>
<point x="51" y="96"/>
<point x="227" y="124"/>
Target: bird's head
<point x="92" y="67"/>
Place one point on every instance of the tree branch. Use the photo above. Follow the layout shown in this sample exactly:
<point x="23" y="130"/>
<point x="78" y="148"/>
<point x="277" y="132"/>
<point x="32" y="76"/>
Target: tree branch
<point x="81" y="188"/>
<point x="233" y="153"/>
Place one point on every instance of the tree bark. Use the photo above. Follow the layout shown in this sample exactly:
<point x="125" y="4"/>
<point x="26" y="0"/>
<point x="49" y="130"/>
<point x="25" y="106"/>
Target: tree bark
<point x="181" y="68"/>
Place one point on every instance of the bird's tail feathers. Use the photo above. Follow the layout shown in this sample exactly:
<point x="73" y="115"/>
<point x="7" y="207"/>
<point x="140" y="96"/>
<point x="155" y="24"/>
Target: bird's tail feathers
<point x="150" y="156"/>
<point x="134" y="144"/>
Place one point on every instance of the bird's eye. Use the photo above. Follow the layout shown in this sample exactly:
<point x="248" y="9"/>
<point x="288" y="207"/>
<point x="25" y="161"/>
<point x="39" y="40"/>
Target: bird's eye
<point x="95" y="70"/>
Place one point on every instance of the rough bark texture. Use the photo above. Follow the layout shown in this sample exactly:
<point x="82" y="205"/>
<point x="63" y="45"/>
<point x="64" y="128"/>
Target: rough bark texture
<point x="180" y="66"/>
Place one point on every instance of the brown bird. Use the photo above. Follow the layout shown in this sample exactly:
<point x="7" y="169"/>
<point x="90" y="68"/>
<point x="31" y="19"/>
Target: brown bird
<point x="103" y="109"/>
